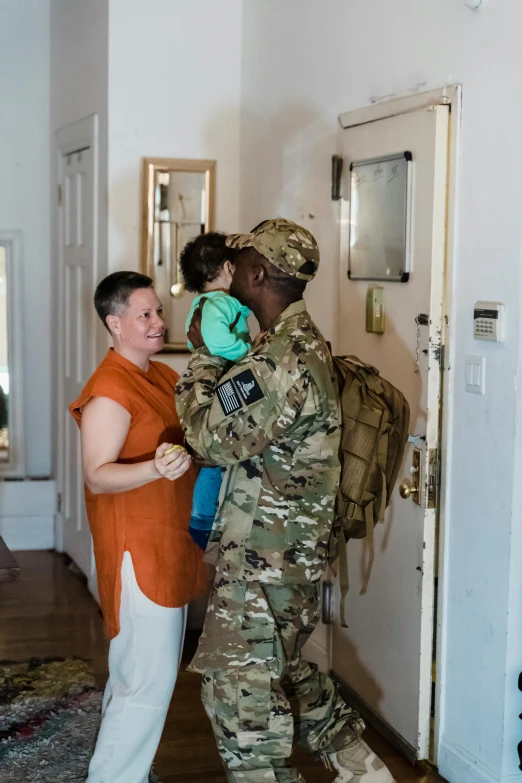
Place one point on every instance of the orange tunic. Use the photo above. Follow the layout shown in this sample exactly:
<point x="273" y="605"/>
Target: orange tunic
<point x="151" y="522"/>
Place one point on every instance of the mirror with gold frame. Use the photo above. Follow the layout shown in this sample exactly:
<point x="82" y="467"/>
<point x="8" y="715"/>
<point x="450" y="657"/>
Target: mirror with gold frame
<point x="12" y="438"/>
<point x="177" y="205"/>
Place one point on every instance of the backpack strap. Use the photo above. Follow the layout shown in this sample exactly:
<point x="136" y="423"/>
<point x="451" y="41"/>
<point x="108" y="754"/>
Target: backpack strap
<point x="349" y="510"/>
<point x="374" y="514"/>
<point x="354" y="511"/>
<point x="370" y="524"/>
<point x="382" y="456"/>
<point x="344" y="582"/>
<point x="326" y="385"/>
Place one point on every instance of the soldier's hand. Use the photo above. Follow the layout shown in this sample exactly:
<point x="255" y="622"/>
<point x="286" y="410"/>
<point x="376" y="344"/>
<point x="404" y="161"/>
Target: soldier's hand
<point x="194" y="332"/>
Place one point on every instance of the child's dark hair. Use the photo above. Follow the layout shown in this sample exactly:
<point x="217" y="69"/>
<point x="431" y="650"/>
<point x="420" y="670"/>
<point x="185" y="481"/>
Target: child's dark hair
<point x="202" y="259"/>
<point x="112" y="295"/>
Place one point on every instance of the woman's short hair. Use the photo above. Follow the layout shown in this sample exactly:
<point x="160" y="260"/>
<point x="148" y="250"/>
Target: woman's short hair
<point x="112" y="294"/>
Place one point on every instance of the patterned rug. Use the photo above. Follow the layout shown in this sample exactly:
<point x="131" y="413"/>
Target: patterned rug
<point x="49" y="718"/>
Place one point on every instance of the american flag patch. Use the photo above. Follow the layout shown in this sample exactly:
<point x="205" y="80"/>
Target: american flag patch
<point x="228" y="397"/>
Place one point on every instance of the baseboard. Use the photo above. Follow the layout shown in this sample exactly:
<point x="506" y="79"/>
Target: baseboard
<point x="27" y="511"/>
<point x="374" y="720"/>
<point x="457" y="765"/>
<point x="22" y="533"/>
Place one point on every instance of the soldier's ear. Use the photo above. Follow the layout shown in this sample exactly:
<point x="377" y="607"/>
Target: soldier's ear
<point x="259" y="276"/>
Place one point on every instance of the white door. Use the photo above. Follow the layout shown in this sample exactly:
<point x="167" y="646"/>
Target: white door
<point x="385" y="656"/>
<point x="77" y="332"/>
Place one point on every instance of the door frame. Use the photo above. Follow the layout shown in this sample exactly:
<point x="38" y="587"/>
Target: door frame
<point x="71" y="138"/>
<point x="450" y="95"/>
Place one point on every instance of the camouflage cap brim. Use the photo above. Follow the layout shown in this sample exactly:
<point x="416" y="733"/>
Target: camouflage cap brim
<point x="239" y="241"/>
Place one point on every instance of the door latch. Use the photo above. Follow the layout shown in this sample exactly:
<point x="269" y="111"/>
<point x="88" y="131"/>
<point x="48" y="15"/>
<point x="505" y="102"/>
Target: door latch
<point x="433" y="482"/>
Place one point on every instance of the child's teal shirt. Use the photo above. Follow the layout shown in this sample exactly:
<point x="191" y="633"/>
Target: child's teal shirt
<point x="220" y="310"/>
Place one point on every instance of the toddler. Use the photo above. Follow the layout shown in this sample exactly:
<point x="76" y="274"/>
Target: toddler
<point x="207" y="267"/>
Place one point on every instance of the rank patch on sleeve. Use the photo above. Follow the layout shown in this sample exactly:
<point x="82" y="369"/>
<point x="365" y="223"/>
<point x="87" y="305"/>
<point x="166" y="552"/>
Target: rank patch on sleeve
<point x="242" y="388"/>
<point x="248" y="387"/>
<point x="228" y="397"/>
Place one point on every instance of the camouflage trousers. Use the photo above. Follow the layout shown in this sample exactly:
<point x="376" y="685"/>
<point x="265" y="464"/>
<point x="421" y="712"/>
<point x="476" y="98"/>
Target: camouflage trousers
<point x="258" y="692"/>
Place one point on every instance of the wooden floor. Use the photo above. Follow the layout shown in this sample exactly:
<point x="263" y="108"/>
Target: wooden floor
<point x="49" y="612"/>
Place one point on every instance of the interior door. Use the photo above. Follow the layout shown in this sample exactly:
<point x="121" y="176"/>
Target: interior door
<point x="385" y="656"/>
<point x="77" y="239"/>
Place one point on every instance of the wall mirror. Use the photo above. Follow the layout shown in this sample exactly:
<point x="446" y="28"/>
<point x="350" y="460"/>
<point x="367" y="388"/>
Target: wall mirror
<point x="177" y="205"/>
<point x="11" y="360"/>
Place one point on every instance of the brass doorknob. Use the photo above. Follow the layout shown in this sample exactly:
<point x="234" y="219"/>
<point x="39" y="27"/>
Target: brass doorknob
<point x="407" y="489"/>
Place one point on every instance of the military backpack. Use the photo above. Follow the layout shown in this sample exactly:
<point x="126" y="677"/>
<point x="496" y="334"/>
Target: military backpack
<point x="375" y="418"/>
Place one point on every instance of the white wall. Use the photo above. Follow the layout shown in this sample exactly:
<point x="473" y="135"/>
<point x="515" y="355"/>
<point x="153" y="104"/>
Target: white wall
<point x="174" y="92"/>
<point x="321" y="59"/>
<point x="79" y="88"/>
<point x="79" y="64"/>
<point x="26" y="508"/>
<point x="24" y="199"/>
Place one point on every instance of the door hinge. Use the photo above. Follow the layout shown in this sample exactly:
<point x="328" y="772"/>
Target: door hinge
<point x="59" y="195"/>
<point x="433" y="478"/>
<point x="59" y="503"/>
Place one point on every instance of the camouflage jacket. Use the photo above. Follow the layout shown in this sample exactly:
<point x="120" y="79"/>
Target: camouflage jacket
<point x="273" y="421"/>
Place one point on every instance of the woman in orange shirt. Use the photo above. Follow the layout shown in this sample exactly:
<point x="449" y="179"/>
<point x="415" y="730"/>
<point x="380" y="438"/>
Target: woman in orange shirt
<point x="138" y="501"/>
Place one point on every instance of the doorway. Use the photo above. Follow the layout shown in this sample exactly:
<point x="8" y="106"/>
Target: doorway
<point x="389" y="658"/>
<point x="77" y="271"/>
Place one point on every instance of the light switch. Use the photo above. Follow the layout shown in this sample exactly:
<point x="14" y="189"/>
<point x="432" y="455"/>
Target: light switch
<point x="475" y="374"/>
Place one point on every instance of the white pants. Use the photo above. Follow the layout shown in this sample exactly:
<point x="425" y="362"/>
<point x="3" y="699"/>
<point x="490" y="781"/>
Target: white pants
<point x="143" y="665"/>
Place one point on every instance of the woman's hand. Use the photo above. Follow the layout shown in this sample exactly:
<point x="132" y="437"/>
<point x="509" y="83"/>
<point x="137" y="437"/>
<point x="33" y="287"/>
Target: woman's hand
<point x="171" y="466"/>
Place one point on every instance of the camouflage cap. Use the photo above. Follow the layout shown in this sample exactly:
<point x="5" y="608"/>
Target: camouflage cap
<point x="291" y="248"/>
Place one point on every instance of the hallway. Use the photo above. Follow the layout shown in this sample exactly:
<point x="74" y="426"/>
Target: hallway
<point x="50" y="613"/>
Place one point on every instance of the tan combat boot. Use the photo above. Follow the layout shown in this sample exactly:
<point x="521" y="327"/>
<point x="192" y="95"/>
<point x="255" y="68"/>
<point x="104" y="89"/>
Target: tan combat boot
<point x="357" y="763"/>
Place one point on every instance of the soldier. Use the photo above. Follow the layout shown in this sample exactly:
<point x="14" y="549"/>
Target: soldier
<point x="273" y="421"/>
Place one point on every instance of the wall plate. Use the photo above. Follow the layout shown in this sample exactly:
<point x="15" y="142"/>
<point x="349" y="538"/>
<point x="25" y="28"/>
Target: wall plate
<point x="475" y="374"/>
<point x="375" y="317"/>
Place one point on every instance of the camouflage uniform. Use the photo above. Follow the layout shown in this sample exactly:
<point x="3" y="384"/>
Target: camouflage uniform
<point x="273" y="421"/>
